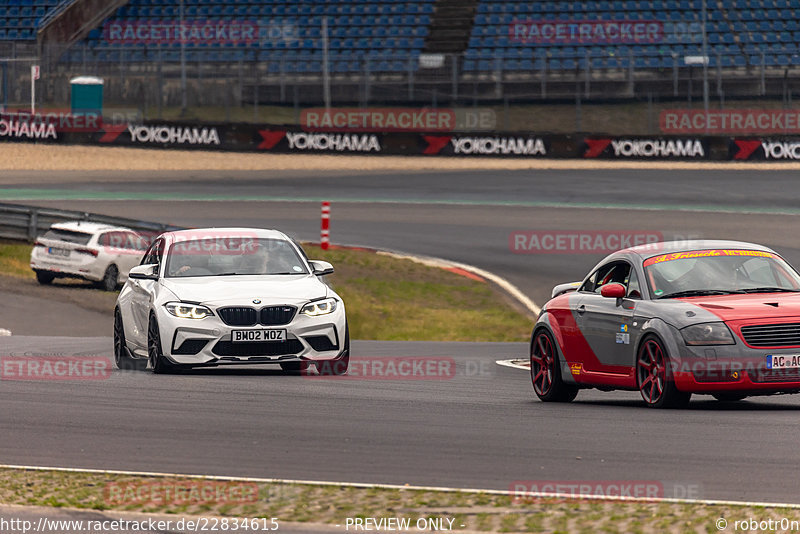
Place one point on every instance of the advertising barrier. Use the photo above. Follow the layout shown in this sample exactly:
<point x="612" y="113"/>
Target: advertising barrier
<point x="312" y="138"/>
<point x="764" y="149"/>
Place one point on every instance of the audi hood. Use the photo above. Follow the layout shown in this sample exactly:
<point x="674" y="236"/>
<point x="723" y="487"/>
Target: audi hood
<point x="751" y="306"/>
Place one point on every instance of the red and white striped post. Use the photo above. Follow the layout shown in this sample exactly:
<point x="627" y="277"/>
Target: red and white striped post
<point x="325" y="232"/>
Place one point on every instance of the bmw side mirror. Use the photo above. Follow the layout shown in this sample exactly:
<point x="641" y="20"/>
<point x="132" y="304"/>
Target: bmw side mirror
<point x="144" y="272"/>
<point x="613" y="291"/>
<point x="321" y="268"/>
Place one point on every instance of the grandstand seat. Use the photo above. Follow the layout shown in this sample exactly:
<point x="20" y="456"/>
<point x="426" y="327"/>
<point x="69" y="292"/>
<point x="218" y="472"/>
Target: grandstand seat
<point x="396" y="29"/>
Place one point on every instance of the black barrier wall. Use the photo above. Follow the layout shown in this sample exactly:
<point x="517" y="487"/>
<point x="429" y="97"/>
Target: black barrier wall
<point x="92" y="130"/>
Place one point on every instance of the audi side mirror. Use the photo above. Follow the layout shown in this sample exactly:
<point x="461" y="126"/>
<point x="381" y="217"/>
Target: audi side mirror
<point x="613" y="291"/>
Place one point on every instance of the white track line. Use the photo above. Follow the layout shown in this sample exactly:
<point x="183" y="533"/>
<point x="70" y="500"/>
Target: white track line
<point x="514" y="364"/>
<point x="504" y="284"/>
<point x="408" y="487"/>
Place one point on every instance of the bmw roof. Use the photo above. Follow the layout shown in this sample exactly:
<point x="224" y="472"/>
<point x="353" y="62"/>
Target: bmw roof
<point x="204" y="233"/>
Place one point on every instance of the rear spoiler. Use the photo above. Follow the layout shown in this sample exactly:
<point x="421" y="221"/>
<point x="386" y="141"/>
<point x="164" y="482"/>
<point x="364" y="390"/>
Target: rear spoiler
<point x="565" y="288"/>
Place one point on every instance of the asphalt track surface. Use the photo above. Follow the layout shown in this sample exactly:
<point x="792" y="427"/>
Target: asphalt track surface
<point x="463" y="216"/>
<point x="479" y="427"/>
<point x="474" y="430"/>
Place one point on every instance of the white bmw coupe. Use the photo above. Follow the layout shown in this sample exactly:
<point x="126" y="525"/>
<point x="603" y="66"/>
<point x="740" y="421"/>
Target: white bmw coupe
<point x="207" y="297"/>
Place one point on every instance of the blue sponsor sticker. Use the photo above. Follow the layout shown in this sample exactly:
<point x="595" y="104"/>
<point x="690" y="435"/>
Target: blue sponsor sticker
<point x="623" y="328"/>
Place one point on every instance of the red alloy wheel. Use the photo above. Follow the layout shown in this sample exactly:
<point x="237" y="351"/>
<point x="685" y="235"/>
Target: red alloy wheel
<point x="542" y="364"/>
<point x="651" y="369"/>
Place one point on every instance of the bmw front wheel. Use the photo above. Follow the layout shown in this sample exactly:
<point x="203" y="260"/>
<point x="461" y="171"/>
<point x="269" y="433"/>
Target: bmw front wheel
<point x="158" y="362"/>
<point x="121" y="356"/>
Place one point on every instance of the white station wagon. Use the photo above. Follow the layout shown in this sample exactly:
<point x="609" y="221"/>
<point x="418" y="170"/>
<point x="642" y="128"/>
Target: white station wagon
<point x="92" y="251"/>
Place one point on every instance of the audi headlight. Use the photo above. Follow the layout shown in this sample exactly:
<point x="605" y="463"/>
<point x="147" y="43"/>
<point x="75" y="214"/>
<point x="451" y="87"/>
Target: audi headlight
<point x="707" y="334"/>
<point x="319" y="307"/>
<point x="188" y="311"/>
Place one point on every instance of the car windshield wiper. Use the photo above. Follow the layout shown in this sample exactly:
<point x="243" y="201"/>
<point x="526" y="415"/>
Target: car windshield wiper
<point x="769" y="290"/>
<point x="698" y="293"/>
<point x="226" y="274"/>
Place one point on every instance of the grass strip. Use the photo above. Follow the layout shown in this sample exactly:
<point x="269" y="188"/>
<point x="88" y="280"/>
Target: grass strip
<point x="334" y="504"/>
<point x="386" y="298"/>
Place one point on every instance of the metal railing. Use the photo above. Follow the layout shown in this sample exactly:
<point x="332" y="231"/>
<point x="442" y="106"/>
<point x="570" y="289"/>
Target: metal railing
<point x="251" y="84"/>
<point x="55" y="12"/>
<point x="27" y="222"/>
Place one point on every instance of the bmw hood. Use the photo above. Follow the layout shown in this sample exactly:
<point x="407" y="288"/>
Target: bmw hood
<point x="242" y="290"/>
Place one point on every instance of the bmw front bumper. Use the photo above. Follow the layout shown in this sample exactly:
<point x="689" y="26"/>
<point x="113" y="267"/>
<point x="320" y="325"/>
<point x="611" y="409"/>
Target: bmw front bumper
<point x="209" y="341"/>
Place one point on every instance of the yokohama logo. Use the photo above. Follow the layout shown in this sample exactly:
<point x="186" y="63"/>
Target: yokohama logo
<point x="499" y="145"/>
<point x="10" y="128"/>
<point x="658" y="148"/>
<point x="644" y="148"/>
<point x="774" y="150"/>
<point x="745" y="148"/>
<point x="270" y="138"/>
<point x="331" y="142"/>
<point x="435" y="143"/>
<point x="174" y="135"/>
<point x="781" y="150"/>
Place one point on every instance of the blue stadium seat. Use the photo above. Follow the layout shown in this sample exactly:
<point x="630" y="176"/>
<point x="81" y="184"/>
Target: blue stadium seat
<point x="393" y="28"/>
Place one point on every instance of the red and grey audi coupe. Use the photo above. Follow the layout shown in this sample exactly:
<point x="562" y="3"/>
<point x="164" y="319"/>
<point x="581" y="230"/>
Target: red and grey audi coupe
<point x="720" y="318"/>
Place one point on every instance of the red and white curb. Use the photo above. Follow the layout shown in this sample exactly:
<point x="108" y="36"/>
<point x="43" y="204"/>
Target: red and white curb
<point x="463" y="269"/>
<point x="466" y="270"/>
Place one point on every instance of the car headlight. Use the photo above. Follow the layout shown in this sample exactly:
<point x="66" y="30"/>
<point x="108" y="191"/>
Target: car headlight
<point x="188" y="311"/>
<point x="319" y="307"/>
<point x="707" y="334"/>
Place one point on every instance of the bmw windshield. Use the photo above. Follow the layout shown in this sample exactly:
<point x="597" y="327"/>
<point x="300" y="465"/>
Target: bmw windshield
<point x="719" y="272"/>
<point x="226" y="256"/>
